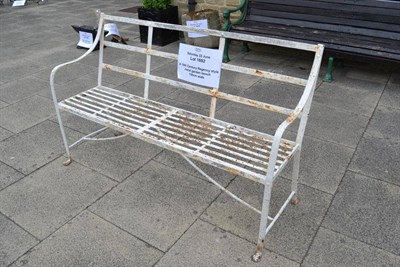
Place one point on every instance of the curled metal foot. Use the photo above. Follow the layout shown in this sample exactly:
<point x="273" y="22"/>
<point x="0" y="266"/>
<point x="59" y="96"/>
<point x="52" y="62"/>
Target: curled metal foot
<point x="67" y="162"/>
<point x="256" y="257"/>
<point x="295" y="201"/>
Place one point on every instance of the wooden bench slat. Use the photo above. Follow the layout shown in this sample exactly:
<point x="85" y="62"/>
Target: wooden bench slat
<point x="326" y="27"/>
<point x="337" y="6"/>
<point x="330" y="12"/>
<point x="325" y="37"/>
<point x="327" y="20"/>
<point x="370" y="3"/>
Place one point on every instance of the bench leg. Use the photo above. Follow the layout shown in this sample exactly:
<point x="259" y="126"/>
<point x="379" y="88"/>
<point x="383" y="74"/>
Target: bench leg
<point x="225" y="57"/>
<point x="263" y="223"/>
<point x="245" y="47"/>
<point x="295" y="176"/>
<point x="328" y="76"/>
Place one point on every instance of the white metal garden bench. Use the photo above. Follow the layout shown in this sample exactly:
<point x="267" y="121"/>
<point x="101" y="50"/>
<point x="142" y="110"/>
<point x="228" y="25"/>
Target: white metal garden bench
<point x="248" y="153"/>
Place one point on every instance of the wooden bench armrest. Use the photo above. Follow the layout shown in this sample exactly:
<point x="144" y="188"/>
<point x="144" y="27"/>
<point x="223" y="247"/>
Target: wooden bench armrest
<point x="242" y="7"/>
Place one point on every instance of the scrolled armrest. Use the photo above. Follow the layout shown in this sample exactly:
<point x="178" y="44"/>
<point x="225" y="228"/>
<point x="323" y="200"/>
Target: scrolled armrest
<point x="242" y="7"/>
<point x="55" y="69"/>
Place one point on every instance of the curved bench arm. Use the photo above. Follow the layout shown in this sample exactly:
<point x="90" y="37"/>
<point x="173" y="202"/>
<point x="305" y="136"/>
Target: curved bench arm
<point x="303" y="107"/>
<point x="55" y="69"/>
<point x="242" y="7"/>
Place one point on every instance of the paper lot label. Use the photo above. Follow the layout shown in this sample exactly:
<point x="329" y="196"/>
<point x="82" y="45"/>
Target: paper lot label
<point x="199" y="65"/>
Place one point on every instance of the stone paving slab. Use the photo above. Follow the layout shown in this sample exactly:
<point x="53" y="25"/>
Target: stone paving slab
<point x="156" y="204"/>
<point x="53" y="57"/>
<point x="72" y="88"/>
<point x="112" y="77"/>
<point x="367" y="210"/>
<point x="276" y="93"/>
<point x="16" y="69"/>
<point x="378" y="158"/>
<point x="360" y="101"/>
<point x="333" y="249"/>
<point x="391" y="96"/>
<point x="4" y="134"/>
<point x="35" y="147"/>
<point x="207" y="245"/>
<point x="292" y="233"/>
<point x="301" y="68"/>
<point x="48" y="198"/>
<point x="77" y="123"/>
<point x="14" y="241"/>
<point x="118" y="158"/>
<point x="322" y="164"/>
<point x="253" y="118"/>
<point x="20" y="89"/>
<point x="337" y="126"/>
<point x="65" y="74"/>
<point x="26" y="113"/>
<point x="203" y="100"/>
<point x="176" y="161"/>
<point x="88" y="240"/>
<point x="156" y="90"/>
<point x="186" y="106"/>
<point x="385" y="124"/>
<point x="368" y="74"/>
<point x="2" y="103"/>
<point x="8" y="175"/>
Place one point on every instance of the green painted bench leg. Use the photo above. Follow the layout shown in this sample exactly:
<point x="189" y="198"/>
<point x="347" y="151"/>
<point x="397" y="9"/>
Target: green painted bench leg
<point x="245" y="47"/>
<point x="328" y="76"/>
<point x="225" y="57"/>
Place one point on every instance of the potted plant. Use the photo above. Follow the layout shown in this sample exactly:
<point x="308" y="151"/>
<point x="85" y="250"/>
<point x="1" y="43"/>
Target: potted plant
<point x="160" y="11"/>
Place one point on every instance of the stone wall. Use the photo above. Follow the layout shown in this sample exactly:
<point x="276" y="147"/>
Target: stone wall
<point x="219" y="5"/>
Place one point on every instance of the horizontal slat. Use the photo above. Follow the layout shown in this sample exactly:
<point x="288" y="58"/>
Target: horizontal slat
<point x="375" y="45"/>
<point x="339" y="29"/>
<point x="230" y="35"/>
<point x="337" y="6"/>
<point x="261" y="14"/>
<point x="201" y="90"/>
<point x="230" y="67"/>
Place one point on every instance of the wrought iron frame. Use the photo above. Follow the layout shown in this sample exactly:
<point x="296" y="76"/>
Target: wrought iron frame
<point x="248" y="153"/>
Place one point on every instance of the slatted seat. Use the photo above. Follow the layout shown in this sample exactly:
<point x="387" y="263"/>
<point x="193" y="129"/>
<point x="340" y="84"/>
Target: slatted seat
<point x="245" y="152"/>
<point x="236" y="149"/>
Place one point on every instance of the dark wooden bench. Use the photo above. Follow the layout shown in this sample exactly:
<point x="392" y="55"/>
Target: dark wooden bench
<point x="368" y="28"/>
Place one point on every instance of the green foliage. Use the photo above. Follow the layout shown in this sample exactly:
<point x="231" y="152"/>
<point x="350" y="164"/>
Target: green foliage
<point x="156" y="4"/>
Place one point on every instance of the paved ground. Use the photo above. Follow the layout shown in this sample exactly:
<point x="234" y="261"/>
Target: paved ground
<point x="127" y="203"/>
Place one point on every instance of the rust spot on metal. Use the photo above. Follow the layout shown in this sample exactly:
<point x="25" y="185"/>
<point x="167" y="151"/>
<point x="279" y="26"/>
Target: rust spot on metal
<point x="233" y="171"/>
<point x="292" y="117"/>
<point x="214" y="93"/>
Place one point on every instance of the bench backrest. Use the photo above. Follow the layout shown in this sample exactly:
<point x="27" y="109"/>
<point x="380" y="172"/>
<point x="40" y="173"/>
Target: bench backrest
<point x="367" y="24"/>
<point x="214" y="93"/>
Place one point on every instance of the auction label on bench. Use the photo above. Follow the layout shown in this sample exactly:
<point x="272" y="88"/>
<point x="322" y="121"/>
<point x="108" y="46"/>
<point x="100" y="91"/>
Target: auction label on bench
<point x="199" y="65"/>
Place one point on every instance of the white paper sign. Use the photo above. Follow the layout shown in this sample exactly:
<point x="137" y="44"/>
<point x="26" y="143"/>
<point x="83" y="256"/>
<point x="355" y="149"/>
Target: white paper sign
<point x="19" y="3"/>
<point x="85" y="39"/>
<point x="112" y="29"/>
<point x="202" y="23"/>
<point x="199" y="65"/>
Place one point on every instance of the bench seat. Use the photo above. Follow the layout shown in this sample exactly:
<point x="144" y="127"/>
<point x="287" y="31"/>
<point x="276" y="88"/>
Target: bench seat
<point x="233" y="148"/>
